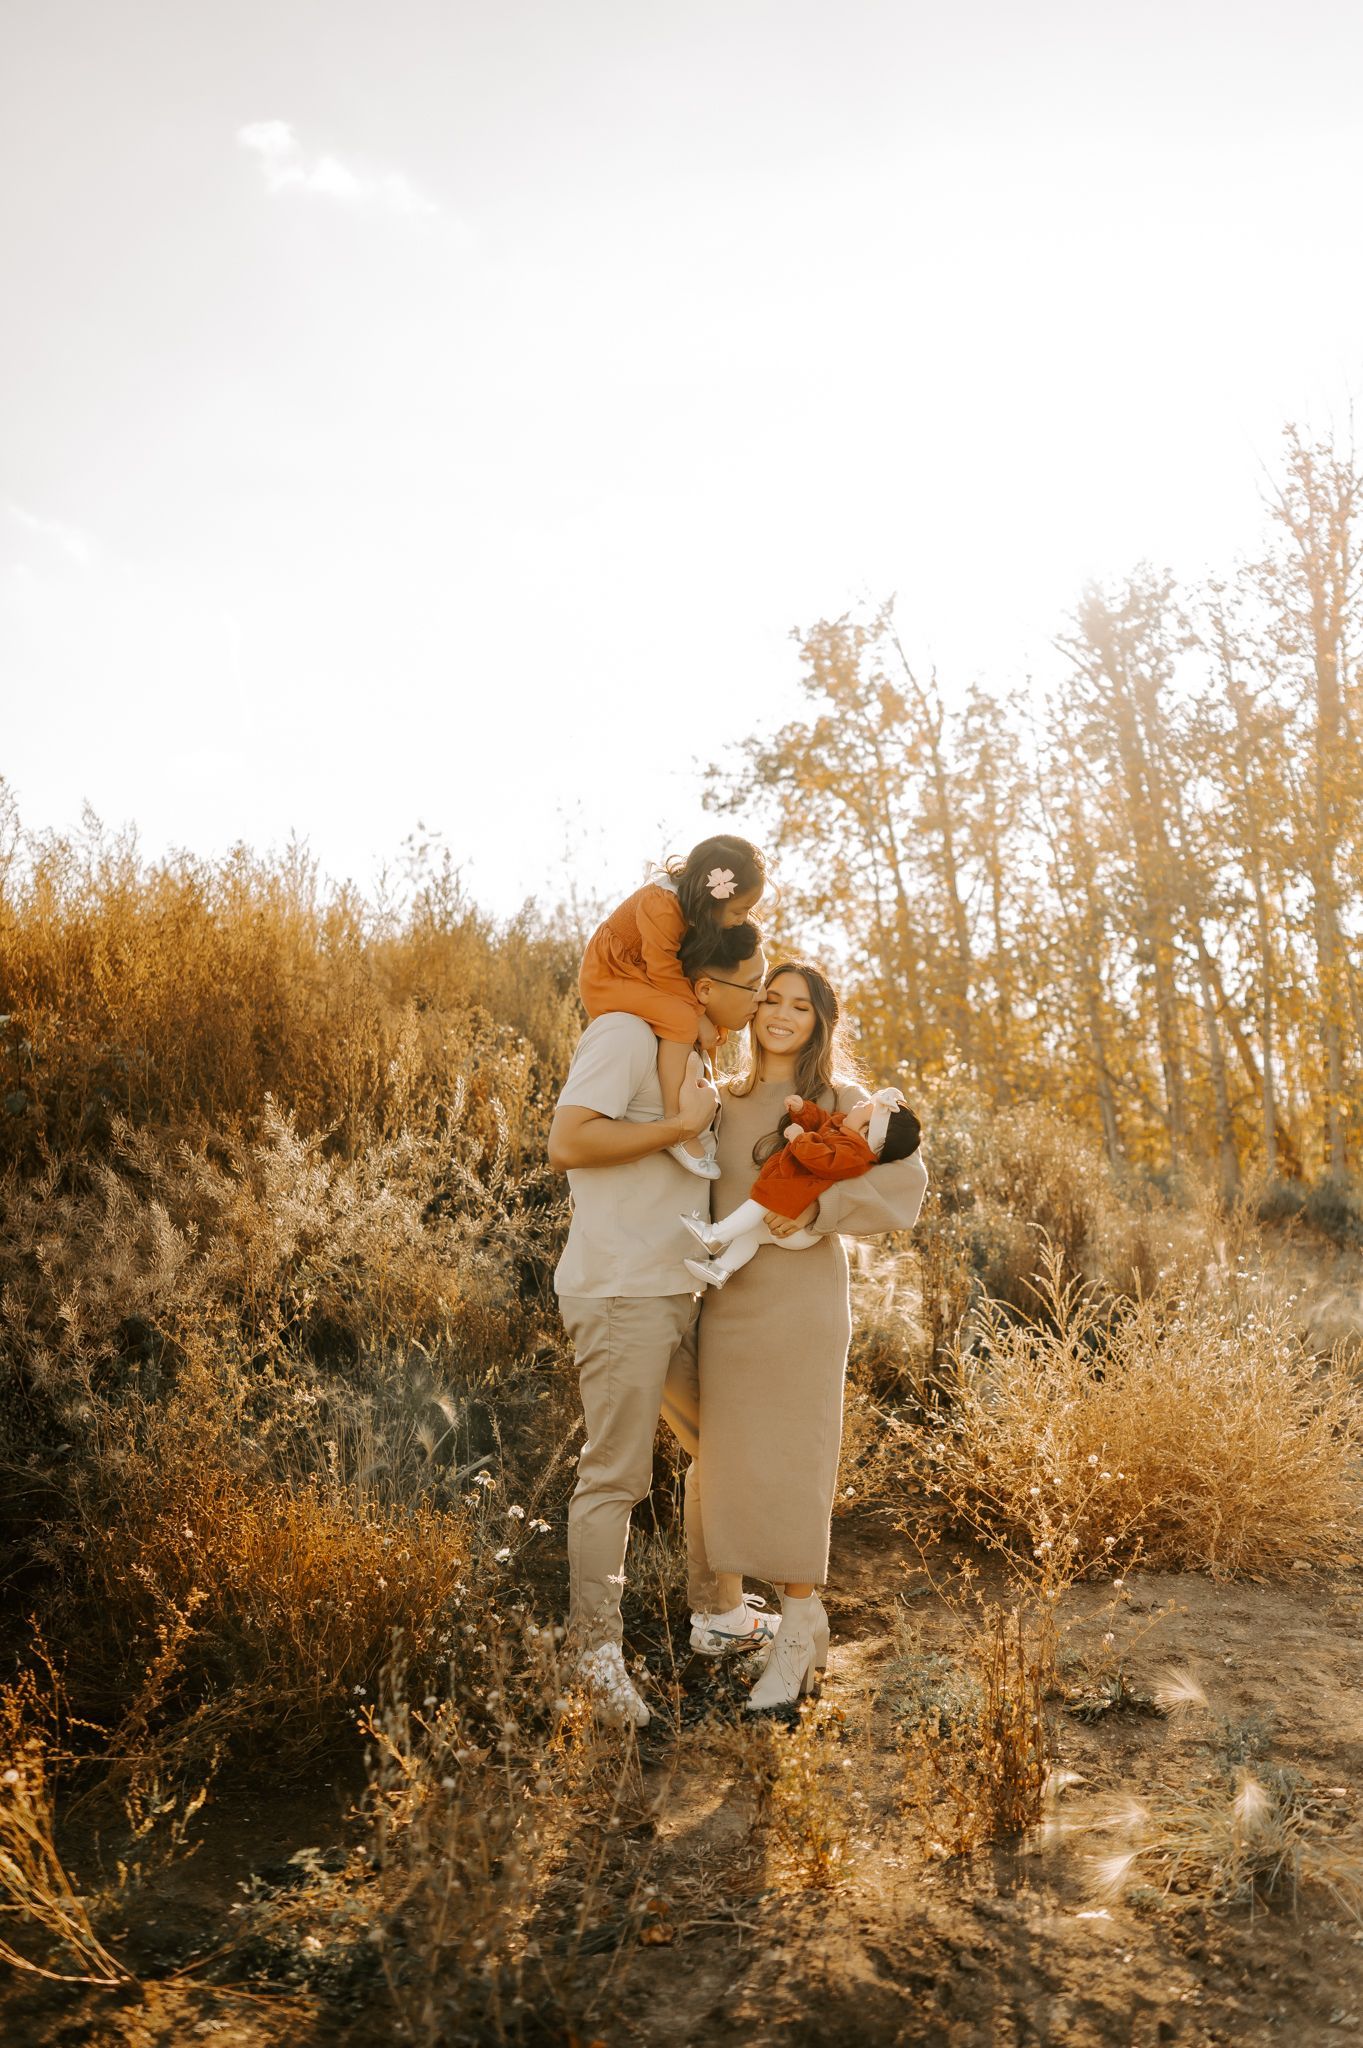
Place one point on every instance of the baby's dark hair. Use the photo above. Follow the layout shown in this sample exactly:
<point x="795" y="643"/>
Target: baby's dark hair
<point x="902" y="1134"/>
<point x="738" y="857"/>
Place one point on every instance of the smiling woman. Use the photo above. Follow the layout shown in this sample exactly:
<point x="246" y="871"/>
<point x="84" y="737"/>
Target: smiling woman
<point x="773" y="1343"/>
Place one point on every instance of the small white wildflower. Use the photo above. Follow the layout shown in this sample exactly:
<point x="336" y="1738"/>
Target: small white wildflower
<point x="1107" y="1475"/>
<point x="1093" y="1457"/>
<point x="430" y="1700"/>
<point x="1118" y="1584"/>
<point x="11" y="1777"/>
<point x="1109" y="1639"/>
<point x="615" y="1578"/>
<point x="517" y="1514"/>
<point x="448" y="1784"/>
<point x="503" y="1554"/>
<point x="358" y="1691"/>
<point x="1035" y="1492"/>
<point x="538" y="1527"/>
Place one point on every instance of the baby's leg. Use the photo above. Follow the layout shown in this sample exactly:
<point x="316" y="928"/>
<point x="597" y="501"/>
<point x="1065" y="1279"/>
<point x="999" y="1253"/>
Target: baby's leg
<point x="747" y="1216"/>
<point x="738" y="1252"/>
<point x="672" y="1062"/>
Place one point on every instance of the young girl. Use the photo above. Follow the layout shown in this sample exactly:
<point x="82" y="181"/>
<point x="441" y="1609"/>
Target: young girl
<point x="631" y="961"/>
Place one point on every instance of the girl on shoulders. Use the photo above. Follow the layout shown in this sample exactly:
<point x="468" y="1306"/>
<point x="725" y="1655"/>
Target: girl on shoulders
<point x="631" y="962"/>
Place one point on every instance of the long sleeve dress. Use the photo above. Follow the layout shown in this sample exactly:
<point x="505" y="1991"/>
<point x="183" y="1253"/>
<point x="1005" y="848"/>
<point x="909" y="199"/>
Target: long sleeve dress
<point x="631" y="964"/>
<point x="773" y="1351"/>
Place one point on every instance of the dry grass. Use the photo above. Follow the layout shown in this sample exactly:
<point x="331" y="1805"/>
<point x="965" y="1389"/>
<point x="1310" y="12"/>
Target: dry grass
<point x="184" y="992"/>
<point x="796" y="1774"/>
<point x="287" y="1428"/>
<point x="1254" y="1841"/>
<point x="1202" y="1433"/>
<point x="975" y="1743"/>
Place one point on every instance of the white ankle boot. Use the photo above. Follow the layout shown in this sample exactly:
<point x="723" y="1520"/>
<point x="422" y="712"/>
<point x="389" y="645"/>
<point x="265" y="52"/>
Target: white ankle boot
<point x="798" y="1656"/>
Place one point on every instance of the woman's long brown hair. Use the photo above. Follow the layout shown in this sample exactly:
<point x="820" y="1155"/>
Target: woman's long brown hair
<point x="824" y="1064"/>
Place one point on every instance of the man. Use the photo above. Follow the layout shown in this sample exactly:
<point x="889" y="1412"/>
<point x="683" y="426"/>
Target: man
<point x="630" y="1308"/>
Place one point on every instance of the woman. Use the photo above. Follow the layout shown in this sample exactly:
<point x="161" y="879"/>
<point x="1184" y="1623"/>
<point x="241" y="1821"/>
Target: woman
<point x="773" y="1344"/>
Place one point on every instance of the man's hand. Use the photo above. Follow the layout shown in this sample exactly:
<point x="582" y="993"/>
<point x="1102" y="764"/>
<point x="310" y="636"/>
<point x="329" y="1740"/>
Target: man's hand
<point x="698" y="1101"/>
<point x="786" y="1226"/>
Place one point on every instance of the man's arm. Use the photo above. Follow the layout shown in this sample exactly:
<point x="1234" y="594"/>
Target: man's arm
<point x="586" y="1137"/>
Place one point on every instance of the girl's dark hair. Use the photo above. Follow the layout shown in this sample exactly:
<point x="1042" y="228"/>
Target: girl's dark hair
<point x="824" y="1063"/>
<point x="739" y="856"/>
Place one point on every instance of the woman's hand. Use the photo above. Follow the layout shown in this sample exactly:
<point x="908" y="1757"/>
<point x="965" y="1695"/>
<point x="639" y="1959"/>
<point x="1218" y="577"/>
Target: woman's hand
<point x="794" y="1103"/>
<point x="786" y="1226"/>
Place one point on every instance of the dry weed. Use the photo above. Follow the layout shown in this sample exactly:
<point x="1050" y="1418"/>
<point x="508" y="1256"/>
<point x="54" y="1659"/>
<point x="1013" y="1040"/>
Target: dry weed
<point x="796" y="1773"/>
<point x="975" y="1761"/>
<point x="494" y="1826"/>
<point x="1209" y="1439"/>
<point x="1256" y="1841"/>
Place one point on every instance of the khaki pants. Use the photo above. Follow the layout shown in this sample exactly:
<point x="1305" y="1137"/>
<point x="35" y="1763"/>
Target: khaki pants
<point x="636" y="1361"/>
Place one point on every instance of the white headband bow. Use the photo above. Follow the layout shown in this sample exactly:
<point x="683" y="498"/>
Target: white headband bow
<point x="883" y="1104"/>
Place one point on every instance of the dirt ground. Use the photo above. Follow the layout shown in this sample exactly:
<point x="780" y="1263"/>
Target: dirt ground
<point x="717" y="1936"/>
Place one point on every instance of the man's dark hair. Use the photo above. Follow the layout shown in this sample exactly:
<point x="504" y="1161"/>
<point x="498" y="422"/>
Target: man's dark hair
<point x="902" y="1134"/>
<point x="708" y="949"/>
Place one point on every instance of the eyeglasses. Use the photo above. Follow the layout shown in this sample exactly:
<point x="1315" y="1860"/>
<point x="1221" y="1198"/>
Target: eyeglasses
<point x="749" y="988"/>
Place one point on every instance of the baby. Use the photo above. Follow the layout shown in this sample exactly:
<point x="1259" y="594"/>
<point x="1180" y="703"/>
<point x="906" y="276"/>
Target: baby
<point x="822" y="1146"/>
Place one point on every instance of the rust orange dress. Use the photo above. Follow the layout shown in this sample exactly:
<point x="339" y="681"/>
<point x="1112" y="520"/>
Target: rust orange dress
<point x="631" y="964"/>
<point x="809" y="1165"/>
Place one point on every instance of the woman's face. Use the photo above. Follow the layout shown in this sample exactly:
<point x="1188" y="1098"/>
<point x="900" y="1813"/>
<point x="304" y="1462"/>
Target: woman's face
<point x="785" y="1017"/>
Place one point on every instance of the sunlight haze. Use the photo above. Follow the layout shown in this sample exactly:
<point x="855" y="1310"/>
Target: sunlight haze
<point x="443" y="413"/>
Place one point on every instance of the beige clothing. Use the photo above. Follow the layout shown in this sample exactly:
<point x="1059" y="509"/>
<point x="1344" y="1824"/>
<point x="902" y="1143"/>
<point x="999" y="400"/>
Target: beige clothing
<point x="773" y="1349"/>
<point x="625" y="1237"/>
<point x="635" y="1357"/>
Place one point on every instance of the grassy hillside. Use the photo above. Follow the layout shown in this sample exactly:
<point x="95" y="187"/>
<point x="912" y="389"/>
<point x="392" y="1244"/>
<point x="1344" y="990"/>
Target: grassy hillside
<point x="288" y="1432"/>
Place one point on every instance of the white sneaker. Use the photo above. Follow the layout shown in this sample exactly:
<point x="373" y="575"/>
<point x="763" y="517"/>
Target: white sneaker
<point x="746" y="1627"/>
<point x="602" y="1671"/>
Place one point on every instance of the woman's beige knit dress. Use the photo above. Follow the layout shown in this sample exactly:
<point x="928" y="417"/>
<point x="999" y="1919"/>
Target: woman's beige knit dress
<point x="773" y="1348"/>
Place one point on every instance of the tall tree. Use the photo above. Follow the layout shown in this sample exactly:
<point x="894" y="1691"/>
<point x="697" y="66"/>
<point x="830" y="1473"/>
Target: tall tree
<point x="1312" y="580"/>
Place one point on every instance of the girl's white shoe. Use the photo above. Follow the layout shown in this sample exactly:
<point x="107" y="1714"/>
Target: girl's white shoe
<point x="798" y="1657"/>
<point x="704" y="1165"/>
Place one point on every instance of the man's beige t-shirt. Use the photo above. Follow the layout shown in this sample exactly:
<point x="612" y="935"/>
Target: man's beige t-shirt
<point x="626" y="1236"/>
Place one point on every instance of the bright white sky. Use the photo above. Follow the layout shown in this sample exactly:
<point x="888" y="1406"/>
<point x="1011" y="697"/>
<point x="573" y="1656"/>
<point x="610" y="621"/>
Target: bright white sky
<point x="429" y="410"/>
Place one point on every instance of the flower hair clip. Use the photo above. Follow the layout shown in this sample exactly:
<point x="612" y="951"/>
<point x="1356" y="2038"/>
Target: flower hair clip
<point x="720" y="882"/>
